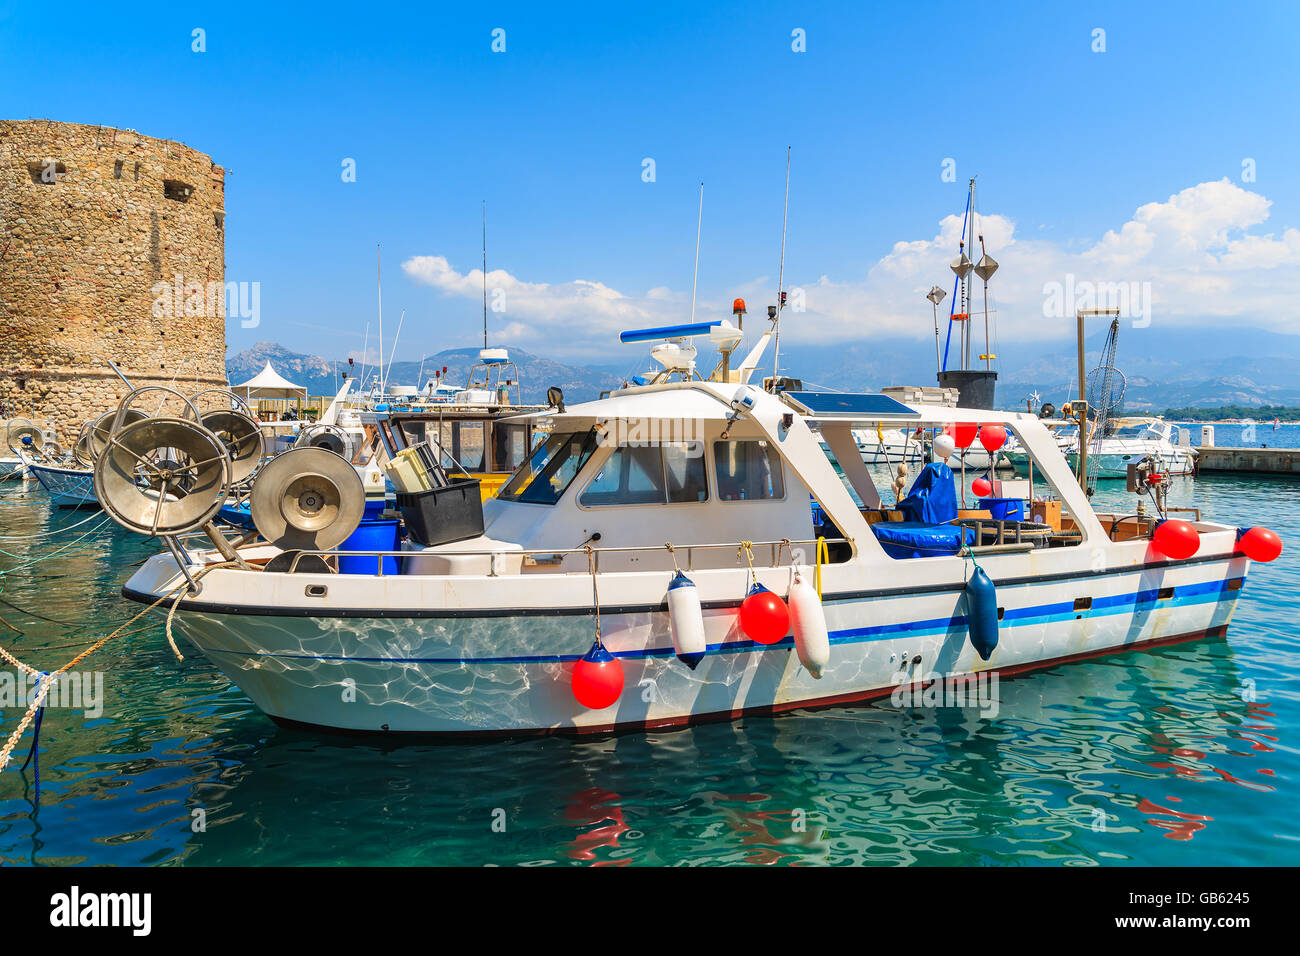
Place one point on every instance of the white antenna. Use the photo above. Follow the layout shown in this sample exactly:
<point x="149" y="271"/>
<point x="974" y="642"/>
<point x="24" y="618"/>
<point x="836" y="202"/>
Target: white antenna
<point x="696" y="281"/>
<point x="485" y="344"/>
<point x="780" y="275"/>
<point x="380" y="276"/>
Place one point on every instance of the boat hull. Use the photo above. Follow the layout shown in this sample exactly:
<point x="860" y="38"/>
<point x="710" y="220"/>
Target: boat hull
<point x="465" y="673"/>
<point x="67" y="487"/>
<point x="1115" y="464"/>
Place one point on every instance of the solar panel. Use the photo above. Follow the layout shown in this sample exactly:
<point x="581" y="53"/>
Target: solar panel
<point x="850" y="405"/>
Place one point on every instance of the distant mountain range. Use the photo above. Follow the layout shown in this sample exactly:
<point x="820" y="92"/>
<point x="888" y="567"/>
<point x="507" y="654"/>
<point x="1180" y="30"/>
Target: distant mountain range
<point x="1162" y="368"/>
<point x="324" y="377"/>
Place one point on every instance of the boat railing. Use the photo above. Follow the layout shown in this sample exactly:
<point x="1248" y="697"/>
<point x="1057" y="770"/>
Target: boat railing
<point x="554" y="557"/>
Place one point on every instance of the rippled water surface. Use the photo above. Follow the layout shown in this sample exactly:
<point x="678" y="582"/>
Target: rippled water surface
<point x="1182" y="756"/>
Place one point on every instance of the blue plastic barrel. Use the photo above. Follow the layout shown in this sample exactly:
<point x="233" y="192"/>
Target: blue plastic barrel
<point x="1007" y="509"/>
<point x="373" y="535"/>
<point x="374" y="508"/>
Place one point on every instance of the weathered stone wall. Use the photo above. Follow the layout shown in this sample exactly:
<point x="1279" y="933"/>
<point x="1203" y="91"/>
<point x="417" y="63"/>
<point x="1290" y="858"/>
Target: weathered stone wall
<point x="92" y="220"/>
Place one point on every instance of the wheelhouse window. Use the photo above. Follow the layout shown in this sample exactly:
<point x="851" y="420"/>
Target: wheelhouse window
<point x="547" y="473"/>
<point x="649" y="474"/>
<point x="747" y="470"/>
<point x="509" y="446"/>
<point x="462" y="443"/>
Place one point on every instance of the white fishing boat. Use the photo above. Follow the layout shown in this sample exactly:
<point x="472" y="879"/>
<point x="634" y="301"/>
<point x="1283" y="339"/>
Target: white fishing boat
<point x="611" y="583"/>
<point x="890" y="447"/>
<point x="1126" y="441"/>
<point x="66" y="479"/>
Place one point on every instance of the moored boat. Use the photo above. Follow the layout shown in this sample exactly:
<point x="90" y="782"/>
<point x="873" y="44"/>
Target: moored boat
<point x="522" y="626"/>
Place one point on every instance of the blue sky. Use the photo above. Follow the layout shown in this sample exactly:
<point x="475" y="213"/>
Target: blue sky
<point x="1068" y="144"/>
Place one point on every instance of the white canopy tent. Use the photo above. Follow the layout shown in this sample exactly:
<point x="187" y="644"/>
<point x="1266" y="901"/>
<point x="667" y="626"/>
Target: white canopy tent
<point x="269" y="383"/>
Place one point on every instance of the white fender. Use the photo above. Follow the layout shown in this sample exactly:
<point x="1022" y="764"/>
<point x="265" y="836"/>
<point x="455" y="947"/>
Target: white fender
<point x="686" y="620"/>
<point x="811" y="639"/>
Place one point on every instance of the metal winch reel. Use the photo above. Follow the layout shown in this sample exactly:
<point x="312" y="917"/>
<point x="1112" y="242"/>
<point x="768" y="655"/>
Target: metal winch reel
<point x="234" y="423"/>
<point x="162" y="476"/>
<point x="81" y="452"/>
<point x="307" y="499"/>
<point x="102" y="428"/>
<point x="20" y="428"/>
<point x="330" y="437"/>
<point x="243" y="439"/>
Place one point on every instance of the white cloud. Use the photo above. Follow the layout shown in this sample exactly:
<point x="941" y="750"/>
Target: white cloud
<point x="537" y="310"/>
<point x="1201" y="250"/>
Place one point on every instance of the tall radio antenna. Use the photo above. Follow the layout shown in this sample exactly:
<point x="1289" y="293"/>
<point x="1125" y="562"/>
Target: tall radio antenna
<point x="379" y="275"/>
<point x="485" y="344"/>
<point x="696" y="281"/>
<point x="780" y="275"/>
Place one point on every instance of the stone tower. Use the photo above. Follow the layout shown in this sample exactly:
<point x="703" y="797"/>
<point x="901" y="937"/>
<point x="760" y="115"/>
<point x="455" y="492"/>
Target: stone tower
<point x="112" y="246"/>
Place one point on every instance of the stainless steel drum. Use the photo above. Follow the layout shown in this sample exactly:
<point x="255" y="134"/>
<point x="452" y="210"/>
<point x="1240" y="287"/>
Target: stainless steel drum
<point x="97" y="440"/>
<point x="162" y="476"/>
<point x="242" y="437"/>
<point x="307" y="499"/>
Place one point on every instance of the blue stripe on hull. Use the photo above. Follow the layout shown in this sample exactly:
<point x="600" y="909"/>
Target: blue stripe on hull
<point x="1208" y="592"/>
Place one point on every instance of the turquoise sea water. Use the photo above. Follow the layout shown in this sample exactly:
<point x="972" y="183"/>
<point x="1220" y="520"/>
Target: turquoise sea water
<point x="1185" y="755"/>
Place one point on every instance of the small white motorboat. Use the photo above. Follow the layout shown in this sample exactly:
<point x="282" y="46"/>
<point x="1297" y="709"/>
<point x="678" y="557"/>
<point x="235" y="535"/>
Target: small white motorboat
<point x="1125" y="441"/>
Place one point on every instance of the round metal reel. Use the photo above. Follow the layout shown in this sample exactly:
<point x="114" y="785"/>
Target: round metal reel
<point x="306" y="564"/>
<point x="242" y="437"/>
<point x="81" y="451"/>
<point x="307" y="499"/>
<point x="21" y="428"/>
<point x="330" y="437"/>
<point x="162" y="476"/>
<point x="103" y="428"/>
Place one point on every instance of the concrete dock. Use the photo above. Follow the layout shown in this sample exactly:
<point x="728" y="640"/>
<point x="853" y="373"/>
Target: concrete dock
<point x="1248" y="461"/>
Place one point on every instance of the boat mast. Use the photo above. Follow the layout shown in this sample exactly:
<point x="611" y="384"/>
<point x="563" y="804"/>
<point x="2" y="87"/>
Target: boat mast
<point x="780" y="273"/>
<point x="696" y="281"/>
<point x="388" y="371"/>
<point x="965" y="284"/>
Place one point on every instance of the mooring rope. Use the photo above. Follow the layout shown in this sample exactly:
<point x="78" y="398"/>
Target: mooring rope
<point x="52" y="531"/>
<point x="44" y="686"/>
<point x="672" y="554"/>
<point x="34" y="754"/>
<point x="595" y="594"/>
<point x="75" y="541"/>
<point x="746" y="551"/>
<point x="39" y="700"/>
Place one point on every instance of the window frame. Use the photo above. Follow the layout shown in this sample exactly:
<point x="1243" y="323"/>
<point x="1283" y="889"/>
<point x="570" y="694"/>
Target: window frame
<point x="713" y="455"/>
<point x="582" y="439"/>
<point x="663" y="468"/>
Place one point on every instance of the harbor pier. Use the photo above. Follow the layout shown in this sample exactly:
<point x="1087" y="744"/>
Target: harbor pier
<point x="1248" y="461"/>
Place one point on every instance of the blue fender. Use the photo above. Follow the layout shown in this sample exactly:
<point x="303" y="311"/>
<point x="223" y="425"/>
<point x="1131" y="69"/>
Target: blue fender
<point x="982" y="613"/>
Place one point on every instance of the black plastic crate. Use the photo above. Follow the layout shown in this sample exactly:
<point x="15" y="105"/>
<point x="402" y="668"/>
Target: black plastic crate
<point x="443" y="515"/>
